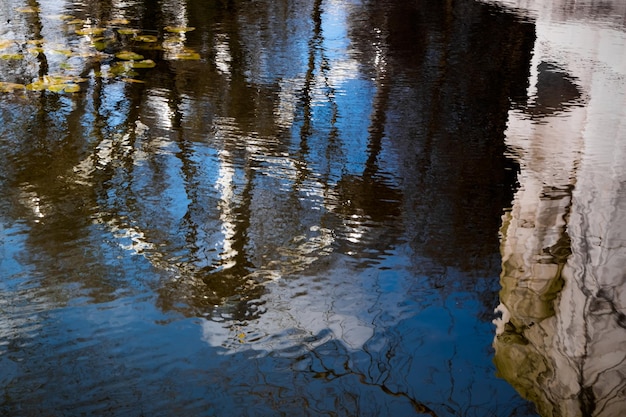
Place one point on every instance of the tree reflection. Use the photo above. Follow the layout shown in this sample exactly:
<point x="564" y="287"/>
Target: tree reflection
<point x="181" y="166"/>
<point x="269" y="154"/>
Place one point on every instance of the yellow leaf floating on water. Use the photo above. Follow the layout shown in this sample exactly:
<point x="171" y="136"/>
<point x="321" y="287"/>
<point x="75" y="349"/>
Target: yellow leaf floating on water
<point x="179" y="29"/>
<point x="90" y="31"/>
<point x="12" y="56"/>
<point x="28" y="9"/>
<point x="56" y="84"/>
<point x="146" y="38"/>
<point x="185" y="55"/>
<point x="146" y="63"/>
<point x="128" y="31"/>
<point x="72" y="88"/>
<point x="149" y="46"/>
<point x="61" y="17"/>
<point x="117" y="68"/>
<point x="121" y="68"/>
<point x="133" y="81"/>
<point x="173" y="42"/>
<point x="75" y="22"/>
<point x="56" y="88"/>
<point x="118" y="21"/>
<point x="97" y="55"/>
<point x="6" y="43"/>
<point x="129" y="56"/>
<point x="7" y="87"/>
<point x="62" y="87"/>
<point x="38" y="85"/>
<point x="66" y="52"/>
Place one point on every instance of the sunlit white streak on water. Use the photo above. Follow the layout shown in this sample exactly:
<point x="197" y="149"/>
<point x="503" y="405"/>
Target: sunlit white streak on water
<point x="225" y="186"/>
<point x="158" y="105"/>
<point x="175" y="12"/>
<point x="222" y="54"/>
<point x="301" y="251"/>
<point x="121" y="8"/>
<point x="175" y="15"/>
<point x="341" y="67"/>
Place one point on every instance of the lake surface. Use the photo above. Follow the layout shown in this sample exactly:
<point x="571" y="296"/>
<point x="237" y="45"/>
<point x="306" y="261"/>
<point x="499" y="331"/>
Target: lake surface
<point x="312" y="207"/>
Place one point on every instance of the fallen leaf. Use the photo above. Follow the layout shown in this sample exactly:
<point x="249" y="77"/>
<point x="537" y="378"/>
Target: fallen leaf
<point x="128" y="31"/>
<point x="129" y="56"/>
<point x="28" y="9"/>
<point x="146" y="38"/>
<point x="133" y="80"/>
<point x="146" y="63"/>
<point x="90" y="31"/>
<point x="72" y="88"/>
<point x="186" y="55"/>
<point x="7" y="87"/>
<point x="179" y="29"/>
<point x="118" y="21"/>
<point x="12" y="56"/>
<point x="6" y="43"/>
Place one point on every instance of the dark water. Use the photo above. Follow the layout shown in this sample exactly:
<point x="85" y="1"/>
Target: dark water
<point x="300" y="207"/>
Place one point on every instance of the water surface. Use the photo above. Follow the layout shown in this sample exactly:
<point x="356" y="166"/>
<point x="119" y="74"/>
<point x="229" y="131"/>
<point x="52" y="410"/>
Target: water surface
<point x="279" y="208"/>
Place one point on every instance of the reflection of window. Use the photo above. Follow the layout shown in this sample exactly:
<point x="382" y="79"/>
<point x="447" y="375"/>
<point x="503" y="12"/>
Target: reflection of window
<point x="555" y="91"/>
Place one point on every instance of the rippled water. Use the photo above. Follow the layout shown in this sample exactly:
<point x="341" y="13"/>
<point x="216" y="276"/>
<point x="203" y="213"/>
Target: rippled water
<point x="560" y="341"/>
<point x="309" y="207"/>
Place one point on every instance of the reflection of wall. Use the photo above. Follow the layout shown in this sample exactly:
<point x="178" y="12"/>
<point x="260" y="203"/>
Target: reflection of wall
<point x="563" y="299"/>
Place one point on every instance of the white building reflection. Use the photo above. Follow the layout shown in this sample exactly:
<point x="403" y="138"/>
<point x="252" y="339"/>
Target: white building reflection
<point x="560" y="341"/>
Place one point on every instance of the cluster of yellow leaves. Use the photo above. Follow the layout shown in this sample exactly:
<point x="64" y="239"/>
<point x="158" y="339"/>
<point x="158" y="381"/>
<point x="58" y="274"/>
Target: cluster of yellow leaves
<point x="54" y="83"/>
<point x="100" y="37"/>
